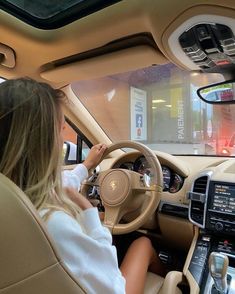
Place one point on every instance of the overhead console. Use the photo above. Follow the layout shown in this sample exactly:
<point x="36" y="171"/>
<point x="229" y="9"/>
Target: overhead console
<point x="204" y="42"/>
<point x="209" y="45"/>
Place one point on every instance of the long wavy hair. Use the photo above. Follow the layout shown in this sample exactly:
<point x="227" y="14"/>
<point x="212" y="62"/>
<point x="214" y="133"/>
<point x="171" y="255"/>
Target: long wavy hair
<point x="30" y="141"/>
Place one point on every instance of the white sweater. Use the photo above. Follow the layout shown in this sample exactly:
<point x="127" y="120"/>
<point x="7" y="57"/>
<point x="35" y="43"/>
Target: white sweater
<point x="86" y="249"/>
<point x="86" y="246"/>
<point x="74" y="178"/>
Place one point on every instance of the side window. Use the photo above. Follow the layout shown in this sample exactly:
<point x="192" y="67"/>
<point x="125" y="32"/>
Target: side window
<point x="85" y="150"/>
<point x="76" y="145"/>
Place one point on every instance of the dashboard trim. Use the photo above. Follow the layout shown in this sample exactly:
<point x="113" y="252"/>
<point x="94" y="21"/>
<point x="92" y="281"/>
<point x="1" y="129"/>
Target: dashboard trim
<point x="172" y="204"/>
<point x="202" y="174"/>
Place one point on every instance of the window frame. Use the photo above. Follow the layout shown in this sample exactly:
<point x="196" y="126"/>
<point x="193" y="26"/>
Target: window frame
<point x="80" y="139"/>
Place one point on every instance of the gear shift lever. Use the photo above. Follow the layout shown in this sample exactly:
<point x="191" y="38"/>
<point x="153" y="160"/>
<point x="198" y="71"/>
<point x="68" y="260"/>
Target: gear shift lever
<point x="218" y="265"/>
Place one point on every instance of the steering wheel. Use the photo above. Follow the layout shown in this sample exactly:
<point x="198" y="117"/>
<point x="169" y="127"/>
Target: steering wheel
<point x="123" y="190"/>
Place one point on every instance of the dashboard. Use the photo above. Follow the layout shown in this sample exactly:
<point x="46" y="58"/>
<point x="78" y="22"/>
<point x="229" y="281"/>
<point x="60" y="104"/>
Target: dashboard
<point x="196" y="173"/>
<point x="172" y="181"/>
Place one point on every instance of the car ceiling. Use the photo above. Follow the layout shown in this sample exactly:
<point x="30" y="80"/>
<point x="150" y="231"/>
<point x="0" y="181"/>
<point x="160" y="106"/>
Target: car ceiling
<point x="122" y="37"/>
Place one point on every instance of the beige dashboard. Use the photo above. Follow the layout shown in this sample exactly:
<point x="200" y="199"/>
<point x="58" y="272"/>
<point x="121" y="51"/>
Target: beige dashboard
<point x="172" y="229"/>
<point x="188" y="167"/>
<point x="169" y="228"/>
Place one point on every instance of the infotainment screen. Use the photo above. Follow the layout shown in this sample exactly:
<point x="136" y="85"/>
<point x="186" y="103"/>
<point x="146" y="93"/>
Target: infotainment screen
<point x="224" y="198"/>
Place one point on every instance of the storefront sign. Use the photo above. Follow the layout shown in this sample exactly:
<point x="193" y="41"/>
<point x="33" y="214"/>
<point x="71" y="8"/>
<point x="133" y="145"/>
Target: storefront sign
<point x="138" y="114"/>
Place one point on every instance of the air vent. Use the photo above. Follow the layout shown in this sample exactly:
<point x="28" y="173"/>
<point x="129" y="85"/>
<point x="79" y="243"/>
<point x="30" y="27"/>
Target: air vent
<point x="198" y="197"/>
<point x="200" y="185"/>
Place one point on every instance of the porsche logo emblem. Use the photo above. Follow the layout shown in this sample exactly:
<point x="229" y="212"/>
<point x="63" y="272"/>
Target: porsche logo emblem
<point x="113" y="185"/>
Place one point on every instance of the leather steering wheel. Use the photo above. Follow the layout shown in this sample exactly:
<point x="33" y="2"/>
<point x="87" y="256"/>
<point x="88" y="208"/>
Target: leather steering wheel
<point x="122" y="190"/>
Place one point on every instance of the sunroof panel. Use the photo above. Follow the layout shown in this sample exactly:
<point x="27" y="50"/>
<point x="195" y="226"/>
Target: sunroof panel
<point x="44" y="9"/>
<point x="52" y="14"/>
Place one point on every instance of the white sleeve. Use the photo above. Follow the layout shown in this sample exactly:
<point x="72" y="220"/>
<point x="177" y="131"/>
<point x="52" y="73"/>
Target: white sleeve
<point x="87" y="251"/>
<point x="74" y="178"/>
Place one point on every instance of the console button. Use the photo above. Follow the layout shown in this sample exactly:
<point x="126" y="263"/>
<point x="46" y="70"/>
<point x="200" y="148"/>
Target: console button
<point x="219" y="226"/>
<point x="202" y="32"/>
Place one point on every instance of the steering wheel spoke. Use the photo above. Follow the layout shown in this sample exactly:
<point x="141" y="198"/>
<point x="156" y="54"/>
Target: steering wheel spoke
<point x="91" y="182"/>
<point x="112" y="216"/>
<point x="140" y="184"/>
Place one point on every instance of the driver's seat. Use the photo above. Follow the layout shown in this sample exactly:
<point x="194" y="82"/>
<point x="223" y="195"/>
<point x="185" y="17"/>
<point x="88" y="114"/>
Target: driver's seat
<point x="29" y="262"/>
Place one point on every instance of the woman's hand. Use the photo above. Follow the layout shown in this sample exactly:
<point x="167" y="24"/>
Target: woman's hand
<point x="78" y="198"/>
<point x="94" y="156"/>
<point x="101" y="215"/>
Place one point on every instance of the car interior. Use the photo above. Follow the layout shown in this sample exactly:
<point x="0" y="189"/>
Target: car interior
<point x="154" y="80"/>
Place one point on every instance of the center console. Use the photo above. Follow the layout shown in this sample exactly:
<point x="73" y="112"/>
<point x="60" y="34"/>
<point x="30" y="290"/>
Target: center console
<point x="212" y="209"/>
<point x="220" y="216"/>
<point x="199" y="267"/>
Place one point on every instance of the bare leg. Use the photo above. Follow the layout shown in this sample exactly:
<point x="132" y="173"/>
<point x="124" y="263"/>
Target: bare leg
<point x="135" y="264"/>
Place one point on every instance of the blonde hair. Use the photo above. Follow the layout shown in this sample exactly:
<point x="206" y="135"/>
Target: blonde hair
<point x="30" y="141"/>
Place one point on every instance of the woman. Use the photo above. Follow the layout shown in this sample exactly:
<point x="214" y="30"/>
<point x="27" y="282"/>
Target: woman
<point x="31" y="126"/>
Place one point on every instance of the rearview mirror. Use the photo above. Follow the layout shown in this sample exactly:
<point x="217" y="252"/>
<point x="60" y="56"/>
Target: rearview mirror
<point x="218" y="93"/>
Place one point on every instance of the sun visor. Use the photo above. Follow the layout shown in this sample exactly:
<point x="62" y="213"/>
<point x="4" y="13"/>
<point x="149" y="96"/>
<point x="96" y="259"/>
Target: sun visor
<point x="124" y="60"/>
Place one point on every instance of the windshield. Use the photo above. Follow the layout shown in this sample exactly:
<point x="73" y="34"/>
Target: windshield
<point x="159" y="107"/>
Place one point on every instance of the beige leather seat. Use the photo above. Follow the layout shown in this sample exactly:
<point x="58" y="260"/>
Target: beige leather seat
<point x="29" y="263"/>
<point x="153" y="283"/>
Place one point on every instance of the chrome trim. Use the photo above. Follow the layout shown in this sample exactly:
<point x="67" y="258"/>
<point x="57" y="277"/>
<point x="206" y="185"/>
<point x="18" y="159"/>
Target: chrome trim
<point x="191" y="195"/>
<point x="203" y="174"/>
<point x="228" y="254"/>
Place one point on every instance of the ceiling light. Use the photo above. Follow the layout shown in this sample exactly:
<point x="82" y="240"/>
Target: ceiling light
<point x="168" y="105"/>
<point x="194" y="74"/>
<point x="110" y="94"/>
<point x="158" y="101"/>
